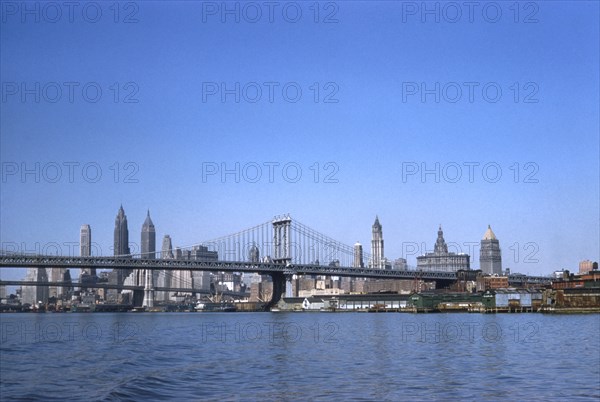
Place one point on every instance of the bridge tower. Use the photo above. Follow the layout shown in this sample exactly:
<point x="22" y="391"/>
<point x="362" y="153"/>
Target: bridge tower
<point x="282" y="252"/>
<point x="281" y="239"/>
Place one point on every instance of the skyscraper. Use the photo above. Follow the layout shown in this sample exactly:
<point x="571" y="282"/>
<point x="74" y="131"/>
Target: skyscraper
<point x="148" y="239"/>
<point x="167" y="248"/>
<point x="121" y="243"/>
<point x="585" y="266"/>
<point x="121" y="248"/>
<point x="358" y="256"/>
<point x="490" y="259"/>
<point x="377" y="246"/>
<point x="253" y="254"/>
<point x="165" y="278"/>
<point x="85" y="247"/>
<point x="173" y="279"/>
<point x="55" y="275"/>
<point x="35" y="294"/>
<point x="202" y="279"/>
<point x="400" y="264"/>
<point x="148" y="252"/>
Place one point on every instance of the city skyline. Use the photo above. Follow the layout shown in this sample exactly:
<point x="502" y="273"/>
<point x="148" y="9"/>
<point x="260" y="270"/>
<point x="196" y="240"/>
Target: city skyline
<point x="391" y="140"/>
<point x="147" y="247"/>
<point x="272" y="160"/>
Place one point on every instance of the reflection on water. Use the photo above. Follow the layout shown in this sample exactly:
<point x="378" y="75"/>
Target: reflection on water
<point x="290" y="356"/>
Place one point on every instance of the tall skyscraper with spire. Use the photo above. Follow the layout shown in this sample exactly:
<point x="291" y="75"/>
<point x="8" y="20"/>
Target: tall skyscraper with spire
<point x="121" y="248"/>
<point x="490" y="258"/>
<point x="85" y="247"/>
<point x="377" y="245"/>
<point x="148" y="252"/>
<point x="144" y="277"/>
<point x="121" y="243"/>
<point x="148" y="239"/>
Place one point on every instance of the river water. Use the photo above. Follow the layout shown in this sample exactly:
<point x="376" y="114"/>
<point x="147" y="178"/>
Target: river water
<point x="299" y="356"/>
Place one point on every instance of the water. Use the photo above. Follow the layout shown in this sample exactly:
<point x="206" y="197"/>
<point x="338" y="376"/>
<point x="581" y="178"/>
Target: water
<point x="299" y="356"/>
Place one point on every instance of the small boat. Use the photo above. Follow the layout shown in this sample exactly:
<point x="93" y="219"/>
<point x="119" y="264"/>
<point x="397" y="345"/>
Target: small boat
<point x="216" y="307"/>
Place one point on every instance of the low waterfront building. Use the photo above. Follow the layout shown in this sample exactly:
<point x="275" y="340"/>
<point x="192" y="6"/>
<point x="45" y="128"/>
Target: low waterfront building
<point x="570" y="281"/>
<point x="261" y="291"/>
<point x="401" y="286"/>
<point x="442" y="300"/>
<point x="582" y="299"/>
<point x="575" y="292"/>
<point x="321" y="292"/>
<point x="488" y="282"/>
<point x="465" y="281"/>
<point x="303" y="283"/>
<point x="511" y="299"/>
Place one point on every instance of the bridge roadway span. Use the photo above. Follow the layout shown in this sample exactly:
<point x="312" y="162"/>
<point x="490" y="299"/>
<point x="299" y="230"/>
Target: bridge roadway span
<point x="280" y="272"/>
<point x="26" y="261"/>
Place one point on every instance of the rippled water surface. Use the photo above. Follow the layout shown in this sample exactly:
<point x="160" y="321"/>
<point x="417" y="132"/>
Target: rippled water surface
<point x="299" y="356"/>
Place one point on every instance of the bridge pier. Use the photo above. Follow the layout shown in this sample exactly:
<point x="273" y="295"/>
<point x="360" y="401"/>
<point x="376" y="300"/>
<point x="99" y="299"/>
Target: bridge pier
<point x="148" y="289"/>
<point x="288" y="286"/>
<point x="282" y="253"/>
<point x="137" y="298"/>
<point x="279" y="286"/>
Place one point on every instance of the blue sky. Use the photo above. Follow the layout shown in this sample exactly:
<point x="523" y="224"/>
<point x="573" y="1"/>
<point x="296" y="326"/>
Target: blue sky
<point x="169" y="121"/>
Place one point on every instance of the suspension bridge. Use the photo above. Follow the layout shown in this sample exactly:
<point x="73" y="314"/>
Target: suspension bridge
<point x="281" y="248"/>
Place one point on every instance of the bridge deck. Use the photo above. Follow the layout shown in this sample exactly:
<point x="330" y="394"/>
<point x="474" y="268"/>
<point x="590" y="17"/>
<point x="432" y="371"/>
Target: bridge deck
<point x="40" y="261"/>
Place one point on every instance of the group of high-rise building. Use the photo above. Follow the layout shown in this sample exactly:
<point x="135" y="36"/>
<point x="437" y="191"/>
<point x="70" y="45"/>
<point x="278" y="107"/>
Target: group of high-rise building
<point x="149" y="279"/>
<point x="174" y="285"/>
<point x="490" y="258"/>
